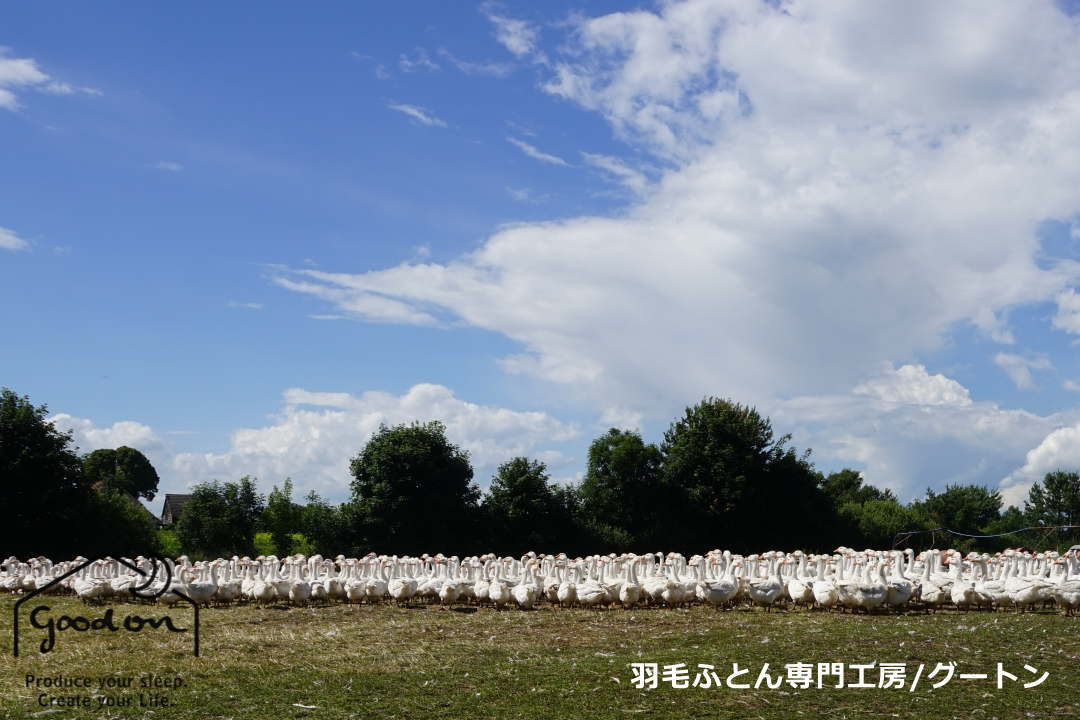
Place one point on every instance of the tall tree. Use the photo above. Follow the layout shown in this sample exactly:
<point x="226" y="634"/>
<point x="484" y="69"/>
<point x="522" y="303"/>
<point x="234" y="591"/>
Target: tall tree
<point x="41" y="487"/>
<point x="741" y="486"/>
<point x="220" y="518"/>
<point x="622" y="500"/>
<point x="282" y="518"/>
<point x="524" y="511"/>
<point x="413" y="492"/>
<point x="875" y="523"/>
<point x="964" y="508"/>
<point x="1056" y="501"/>
<point x="326" y="526"/>
<point x="123" y="469"/>
<point x="847" y="486"/>
<point x="124" y="527"/>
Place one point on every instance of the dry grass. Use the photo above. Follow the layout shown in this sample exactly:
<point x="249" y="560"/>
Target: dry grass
<point x="387" y="662"/>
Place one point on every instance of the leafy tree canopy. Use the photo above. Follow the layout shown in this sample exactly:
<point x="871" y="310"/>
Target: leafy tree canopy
<point x="220" y="518"/>
<point x="124" y="469"/>
<point x="525" y="511"/>
<point x="41" y="483"/>
<point x="847" y="486"/>
<point x="621" y="495"/>
<point x="964" y="508"/>
<point x="412" y="490"/>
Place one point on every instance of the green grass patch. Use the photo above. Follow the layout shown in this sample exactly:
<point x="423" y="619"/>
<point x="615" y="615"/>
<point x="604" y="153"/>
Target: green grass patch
<point x="389" y="662"/>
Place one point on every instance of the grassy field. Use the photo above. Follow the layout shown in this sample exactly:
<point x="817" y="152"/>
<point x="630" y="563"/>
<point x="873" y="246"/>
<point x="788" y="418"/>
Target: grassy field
<point x="388" y="662"/>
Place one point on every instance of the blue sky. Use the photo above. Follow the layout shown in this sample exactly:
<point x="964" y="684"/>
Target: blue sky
<point x="240" y="239"/>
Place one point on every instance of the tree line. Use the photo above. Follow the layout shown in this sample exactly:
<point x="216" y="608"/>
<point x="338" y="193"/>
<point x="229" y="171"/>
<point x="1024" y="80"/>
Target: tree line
<point x="720" y="478"/>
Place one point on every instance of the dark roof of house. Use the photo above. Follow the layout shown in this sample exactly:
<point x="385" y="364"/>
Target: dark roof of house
<point x="174" y="504"/>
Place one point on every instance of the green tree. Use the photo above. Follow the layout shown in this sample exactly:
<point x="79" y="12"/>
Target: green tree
<point x="46" y="502"/>
<point x="220" y="519"/>
<point x="963" y="508"/>
<point x="741" y="486"/>
<point x="1011" y="519"/>
<point x="523" y="511"/>
<point x="326" y="526"/>
<point x="412" y="491"/>
<point x="282" y="518"/>
<point x="125" y="528"/>
<point x="847" y="486"/>
<point x="622" y="500"/>
<point x="124" y="469"/>
<point x="875" y="523"/>
<point x="1056" y="501"/>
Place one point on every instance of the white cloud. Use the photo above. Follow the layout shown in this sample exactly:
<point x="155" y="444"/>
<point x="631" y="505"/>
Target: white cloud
<point x="1059" y="450"/>
<point x="88" y="436"/>
<point x="246" y="305"/>
<point x="316" y="434"/>
<point x="1071" y="385"/>
<point x="517" y="36"/>
<point x="535" y="153"/>
<point x="615" y="417"/>
<point x="16" y="73"/>
<point x="835" y="207"/>
<point x="418" y="113"/>
<point x="1019" y="368"/>
<point x="617" y="169"/>
<point x="9" y="240"/>
<point x="489" y="69"/>
<point x="355" y="301"/>
<point x="913" y="385"/>
<point x="419" y="63"/>
<point x="168" y="166"/>
<point x="907" y="430"/>
<point x="381" y="72"/>
<point x="1068" y="312"/>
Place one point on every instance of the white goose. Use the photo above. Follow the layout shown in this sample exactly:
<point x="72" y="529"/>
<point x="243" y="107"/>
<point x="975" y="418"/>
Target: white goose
<point x="765" y="592"/>
<point x="630" y="590"/>
<point x="825" y="593"/>
<point x="525" y="592"/>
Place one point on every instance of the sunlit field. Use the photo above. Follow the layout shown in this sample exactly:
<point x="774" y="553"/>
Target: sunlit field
<point x="383" y="661"/>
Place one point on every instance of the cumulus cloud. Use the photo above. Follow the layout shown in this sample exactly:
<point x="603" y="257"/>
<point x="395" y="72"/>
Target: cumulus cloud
<point x="615" y="417"/>
<point x="316" y="433"/>
<point x="10" y="240"/>
<point x="21" y="73"/>
<point x="1059" y="450"/>
<point x="535" y="153"/>
<point x="89" y="436"/>
<point x="913" y="385"/>
<point x="834" y="198"/>
<point x="1019" y="368"/>
<point x="418" y="113"/>
<point x="908" y="430"/>
<point x="1068" y="312"/>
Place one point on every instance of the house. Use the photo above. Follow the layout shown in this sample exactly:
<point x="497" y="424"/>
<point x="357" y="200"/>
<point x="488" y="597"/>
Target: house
<point x="173" y="508"/>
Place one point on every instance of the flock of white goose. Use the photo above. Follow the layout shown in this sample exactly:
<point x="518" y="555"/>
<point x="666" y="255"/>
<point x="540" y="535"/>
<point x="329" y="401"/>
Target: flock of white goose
<point x="868" y="580"/>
